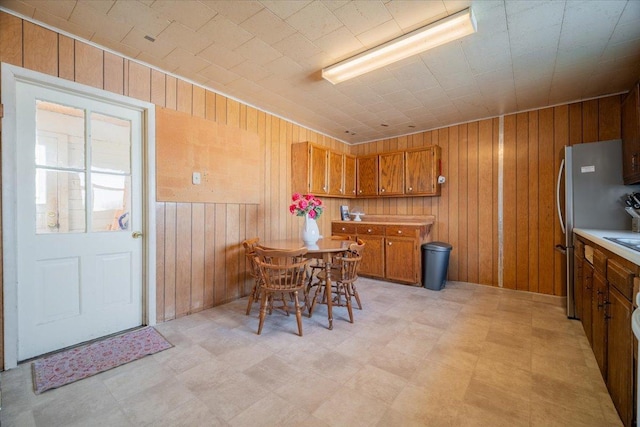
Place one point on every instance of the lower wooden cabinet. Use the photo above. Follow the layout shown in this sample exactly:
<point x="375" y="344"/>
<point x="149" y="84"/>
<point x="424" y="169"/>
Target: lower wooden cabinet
<point x="599" y="321"/>
<point x="620" y="355"/>
<point x="373" y="261"/>
<point x="401" y="260"/>
<point x="587" y="287"/>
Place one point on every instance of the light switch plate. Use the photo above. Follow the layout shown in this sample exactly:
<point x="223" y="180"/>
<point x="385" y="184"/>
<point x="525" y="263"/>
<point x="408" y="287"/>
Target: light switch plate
<point x="196" y="178"/>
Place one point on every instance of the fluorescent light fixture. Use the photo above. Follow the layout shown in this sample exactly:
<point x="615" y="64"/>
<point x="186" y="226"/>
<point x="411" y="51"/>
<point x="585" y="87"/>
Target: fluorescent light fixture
<point x="438" y="33"/>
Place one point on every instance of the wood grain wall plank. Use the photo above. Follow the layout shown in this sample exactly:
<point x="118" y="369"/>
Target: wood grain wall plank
<point x="89" y="65"/>
<point x="533" y="212"/>
<point x="453" y="206"/>
<point x="170" y="252"/>
<point x="183" y="259"/>
<point x="575" y="123"/>
<point x="609" y="119"/>
<point x="113" y="73"/>
<point x="233" y="250"/>
<point x="40" y="49"/>
<point x="522" y="202"/>
<point x="139" y="81"/>
<point x="510" y="208"/>
<point x="66" y="57"/>
<point x="11" y="40"/>
<point x="184" y="97"/>
<point x="233" y="113"/>
<point x="158" y="88"/>
<point x="463" y="202"/>
<point x="243" y="277"/>
<point x="160" y="259"/>
<point x="494" y="223"/>
<point x="473" y="199"/>
<point x="590" y="120"/>
<point x="209" y="254"/>
<point x="171" y="93"/>
<point x="199" y="102"/>
<point x="221" y="109"/>
<point x="546" y="206"/>
<point x="442" y="216"/>
<point x="210" y="105"/>
<point x="197" y="257"/>
<point x="560" y="140"/>
<point x="219" y="284"/>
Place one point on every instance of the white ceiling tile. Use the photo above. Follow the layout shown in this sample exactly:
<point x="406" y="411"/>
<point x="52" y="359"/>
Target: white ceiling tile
<point x="159" y="48"/>
<point x="631" y="12"/>
<point x="68" y="26"/>
<point x="140" y="16"/>
<point x="314" y="21"/>
<point x="115" y="45"/>
<point x="222" y="31"/>
<point x="268" y="27"/>
<point x="61" y="8"/>
<point x="179" y="34"/>
<point x="283" y="67"/>
<point x="235" y="11"/>
<point x="411" y="15"/>
<point x="186" y="60"/>
<point x="102" y="25"/>
<point x="626" y="31"/>
<point x="190" y="13"/>
<point x="360" y="16"/>
<point x="340" y="44"/>
<point x="19" y="7"/>
<point x="285" y="8"/>
<point x="218" y="74"/>
<point x="454" y="6"/>
<point x="218" y="54"/>
<point x="380" y="34"/>
<point x="258" y="51"/>
<point x="297" y="47"/>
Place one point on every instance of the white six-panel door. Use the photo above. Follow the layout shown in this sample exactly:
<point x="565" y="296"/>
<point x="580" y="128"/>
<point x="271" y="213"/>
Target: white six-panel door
<point x="78" y="217"/>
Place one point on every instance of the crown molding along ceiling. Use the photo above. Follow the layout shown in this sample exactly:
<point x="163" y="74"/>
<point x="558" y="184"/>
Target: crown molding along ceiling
<point x="272" y="54"/>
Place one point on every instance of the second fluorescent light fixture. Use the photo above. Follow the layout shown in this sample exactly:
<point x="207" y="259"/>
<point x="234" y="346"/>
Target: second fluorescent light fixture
<point x="438" y="33"/>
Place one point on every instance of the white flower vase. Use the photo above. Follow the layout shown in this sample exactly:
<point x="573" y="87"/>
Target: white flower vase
<point x="310" y="232"/>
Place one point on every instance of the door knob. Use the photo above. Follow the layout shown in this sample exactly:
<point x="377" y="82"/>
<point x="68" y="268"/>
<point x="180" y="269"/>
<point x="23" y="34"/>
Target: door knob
<point x="136" y="234"/>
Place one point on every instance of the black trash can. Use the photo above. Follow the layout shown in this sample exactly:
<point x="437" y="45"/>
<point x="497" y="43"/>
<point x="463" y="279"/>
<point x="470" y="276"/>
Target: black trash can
<point x="435" y="263"/>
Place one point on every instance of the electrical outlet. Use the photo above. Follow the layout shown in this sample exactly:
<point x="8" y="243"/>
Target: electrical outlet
<point x="196" y="178"/>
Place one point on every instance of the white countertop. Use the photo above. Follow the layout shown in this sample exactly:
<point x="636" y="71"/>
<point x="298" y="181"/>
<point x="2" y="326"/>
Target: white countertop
<point x="598" y="236"/>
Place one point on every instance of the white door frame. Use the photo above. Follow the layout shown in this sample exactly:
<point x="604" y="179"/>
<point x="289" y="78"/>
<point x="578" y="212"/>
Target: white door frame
<point x="11" y="74"/>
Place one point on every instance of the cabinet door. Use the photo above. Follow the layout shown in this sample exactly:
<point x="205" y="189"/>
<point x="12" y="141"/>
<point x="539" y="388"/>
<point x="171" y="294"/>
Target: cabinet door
<point x="631" y="137"/>
<point x="367" y="171"/>
<point x="599" y="322"/>
<point x="372" y="263"/>
<point x="336" y="174"/>
<point x="587" y="290"/>
<point x="577" y="284"/>
<point x="391" y="175"/>
<point x="420" y="172"/>
<point x="400" y="259"/>
<point x="318" y="170"/>
<point x="349" y="176"/>
<point x="620" y="355"/>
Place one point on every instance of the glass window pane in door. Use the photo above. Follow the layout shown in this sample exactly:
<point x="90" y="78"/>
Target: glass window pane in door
<point x="59" y="136"/>
<point x="110" y="144"/>
<point x="60" y="202"/>
<point x="111" y="202"/>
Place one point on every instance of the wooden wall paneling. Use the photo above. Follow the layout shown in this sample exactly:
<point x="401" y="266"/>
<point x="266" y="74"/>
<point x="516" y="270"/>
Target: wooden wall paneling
<point x="11" y="41"/>
<point x="241" y="283"/>
<point x="262" y="230"/>
<point x="66" y="57"/>
<point x="252" y="120"/>
<point x="590" y="120"/>
<point x="522" y="202"/>
<point x="219" y="282"/>
<point x="463" y="202"/>
<point x="184" y="97"/>
<point x="233" y="113"/>
<point x="89" y="65"/>
<point x="453" y="206"/>
<point x="510" y="207"/>
<point x="221" y="109"/>
<point x="160" y="260"/>
<point x="496" y="143"/>
<point x="210" y="105"/>
<point x="575" y="123"/>
<point x="533" y="212"/>
<point x="40" y="49"/>
<point x="243" y="116"/>
<point x="183" y="259"/>
<point x="114" y="74"/>
<point x="473" y="211"/>
<point x="199" y="103"/>
<point x="609" y="121"/>
<point x="171" y="93"/>
<point x="485" y="202"/>
<point x="209" y="254"/>
<point x="269" y="218"/>
<point x="251" y="231"/>
<point x="560" y="140"/>
<point x="442" y="215"/>
<point x="546" y="198"/>
<point x="197" y="257"/>
<point x="233" y="250"/>
<point x="139" y="81"/>
<point x="170" y="251"/>
<point x="158" y="87"/>
<point x="125" y="76"/>
<point x="285" y="141"/>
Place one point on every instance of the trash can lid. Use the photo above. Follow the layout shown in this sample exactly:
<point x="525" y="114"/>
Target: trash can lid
<point x="437" y="246"/>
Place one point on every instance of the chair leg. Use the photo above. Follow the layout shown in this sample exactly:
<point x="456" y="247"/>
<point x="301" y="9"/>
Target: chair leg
<point x="253" y="295"/>
<point x="347" y="297"/>
<point x="298" y="312"/>
<point x="315" y="298"/>
<point x="263" y="311"/>
<point x="354" y="292"/>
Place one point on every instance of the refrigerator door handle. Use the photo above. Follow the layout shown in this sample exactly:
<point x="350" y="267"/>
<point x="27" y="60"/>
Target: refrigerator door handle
<point x="564" y="230"/>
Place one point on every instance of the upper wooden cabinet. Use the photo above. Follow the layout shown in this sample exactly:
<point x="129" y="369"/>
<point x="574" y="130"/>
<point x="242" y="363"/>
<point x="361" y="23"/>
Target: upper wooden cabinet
<point x="367" y="171"/>
<point x="349" y="175"/>
<point x="391" y="174"/>
<point x="631" y="136"/>
<point x="336" y="174"/>
<point x="318" y="170"/>
<point x="421" y="171"/>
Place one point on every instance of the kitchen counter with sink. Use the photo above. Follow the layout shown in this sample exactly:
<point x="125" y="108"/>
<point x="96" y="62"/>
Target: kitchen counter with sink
<point x="601" y="237"/>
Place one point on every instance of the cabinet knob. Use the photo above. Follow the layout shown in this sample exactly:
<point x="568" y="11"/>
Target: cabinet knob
<point x="324" y="188"/>
<point x="382" y="190"/>
<point x="369" y="231"/>
<point x="389" y="243"/>
<point x="354" y="191"/>
<point x="410" y="188"/>
<point x="360" y="191"/>
<point x="343" y="229"/>
<point x="340" y="190"/>
<point x="399" y="231"/>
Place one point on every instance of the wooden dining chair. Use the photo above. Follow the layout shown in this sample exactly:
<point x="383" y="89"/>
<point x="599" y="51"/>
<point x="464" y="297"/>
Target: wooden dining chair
<point x="282" y="272"/>
<point x="250" y="253"/>
<point x="343" y="272"/>
<point x="318" y="265"/>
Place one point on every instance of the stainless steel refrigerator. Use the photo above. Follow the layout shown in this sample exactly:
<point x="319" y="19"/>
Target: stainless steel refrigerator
<point x="593" y="196"/>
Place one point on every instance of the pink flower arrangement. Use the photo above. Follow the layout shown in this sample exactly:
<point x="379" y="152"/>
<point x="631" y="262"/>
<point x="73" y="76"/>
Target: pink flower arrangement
<point x="306" y="204"/>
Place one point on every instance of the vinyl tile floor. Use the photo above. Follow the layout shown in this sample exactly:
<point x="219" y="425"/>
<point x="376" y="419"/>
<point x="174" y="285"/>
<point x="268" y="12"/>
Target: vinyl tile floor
<point x="468" y="355"/>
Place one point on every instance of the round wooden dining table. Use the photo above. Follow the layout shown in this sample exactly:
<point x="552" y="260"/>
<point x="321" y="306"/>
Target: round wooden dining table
<point x="323" y="249"/>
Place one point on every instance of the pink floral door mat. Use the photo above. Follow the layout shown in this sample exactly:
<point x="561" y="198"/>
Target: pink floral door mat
<point x="81" y="362"/>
